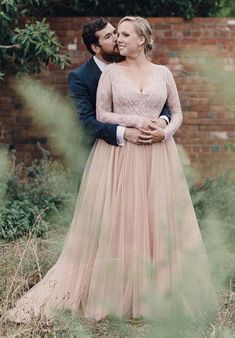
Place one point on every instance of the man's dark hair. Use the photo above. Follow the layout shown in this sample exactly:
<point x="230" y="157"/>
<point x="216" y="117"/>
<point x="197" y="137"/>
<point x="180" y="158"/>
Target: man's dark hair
<point x="89" y="36"/>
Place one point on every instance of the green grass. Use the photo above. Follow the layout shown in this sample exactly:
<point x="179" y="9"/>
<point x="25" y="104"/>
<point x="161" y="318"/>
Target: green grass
<point x="26" y="260"/>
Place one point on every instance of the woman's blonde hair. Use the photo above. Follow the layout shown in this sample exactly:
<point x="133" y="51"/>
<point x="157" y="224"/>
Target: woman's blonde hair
<point x="142" y="28"/>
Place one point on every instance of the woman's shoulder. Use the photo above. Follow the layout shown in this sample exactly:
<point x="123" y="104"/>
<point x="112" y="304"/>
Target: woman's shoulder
<point x="109" y="69"/>
<point x="163" y="68"/>
<point x="164" y="71"/>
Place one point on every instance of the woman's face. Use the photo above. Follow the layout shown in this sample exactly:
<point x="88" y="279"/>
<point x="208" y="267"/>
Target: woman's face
<point x="129" y="43"/>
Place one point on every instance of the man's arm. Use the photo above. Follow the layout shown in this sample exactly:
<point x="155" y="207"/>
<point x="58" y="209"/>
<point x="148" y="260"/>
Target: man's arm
<point x="85" y="109"/>
<point x="165" y="114"/>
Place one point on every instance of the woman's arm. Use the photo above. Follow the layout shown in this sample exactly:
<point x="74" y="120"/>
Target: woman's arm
<point x="173" y="103"/>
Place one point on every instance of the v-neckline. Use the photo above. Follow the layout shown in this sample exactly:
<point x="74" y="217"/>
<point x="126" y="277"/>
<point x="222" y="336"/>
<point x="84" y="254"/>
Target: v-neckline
<point x="131" y="82"/>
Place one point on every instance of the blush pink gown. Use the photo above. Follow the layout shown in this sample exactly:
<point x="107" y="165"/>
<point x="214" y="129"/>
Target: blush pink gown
<point x="134" y="248"/>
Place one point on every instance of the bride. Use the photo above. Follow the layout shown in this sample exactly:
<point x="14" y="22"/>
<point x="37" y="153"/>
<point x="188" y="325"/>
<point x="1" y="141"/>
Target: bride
<point x="134" y="248"/>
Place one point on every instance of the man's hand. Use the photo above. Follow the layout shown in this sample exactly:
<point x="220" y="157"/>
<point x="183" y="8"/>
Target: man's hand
<point x="132" y="135"/>
<point x="151" y="132"/>
<point x="142" y="136"/>
<point x="151" y="136"/>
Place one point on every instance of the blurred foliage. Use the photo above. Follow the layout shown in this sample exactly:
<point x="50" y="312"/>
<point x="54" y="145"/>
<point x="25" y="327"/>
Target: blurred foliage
<point x="32" y="195"/>
<point x="213" y="202"/>
<point x="182" y="8"/>
<point x="227" y="8"/>
<point x="54" y="115"/>
<point x="216" y="196"/>
<point x="28" y="49"/>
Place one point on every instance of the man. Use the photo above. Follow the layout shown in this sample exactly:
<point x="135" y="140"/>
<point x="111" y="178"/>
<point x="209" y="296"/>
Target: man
<point x="100" y="39"/>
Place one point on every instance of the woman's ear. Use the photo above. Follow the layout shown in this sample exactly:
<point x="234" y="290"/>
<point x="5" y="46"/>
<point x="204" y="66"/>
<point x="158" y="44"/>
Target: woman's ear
<point x="141" y="40"/>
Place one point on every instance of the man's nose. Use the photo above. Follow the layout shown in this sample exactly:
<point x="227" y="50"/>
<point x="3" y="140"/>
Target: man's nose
<point x="115" y="37"/>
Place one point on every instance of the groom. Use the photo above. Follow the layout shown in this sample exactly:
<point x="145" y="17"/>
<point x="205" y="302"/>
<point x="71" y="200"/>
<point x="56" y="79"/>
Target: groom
<point x="100" y="38"/>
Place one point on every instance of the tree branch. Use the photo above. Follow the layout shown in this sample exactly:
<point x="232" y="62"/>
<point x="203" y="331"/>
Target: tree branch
<point x="11" y="46"/>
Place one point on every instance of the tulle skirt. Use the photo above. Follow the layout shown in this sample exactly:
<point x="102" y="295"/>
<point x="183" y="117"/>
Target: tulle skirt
<point x="134" y="248"/>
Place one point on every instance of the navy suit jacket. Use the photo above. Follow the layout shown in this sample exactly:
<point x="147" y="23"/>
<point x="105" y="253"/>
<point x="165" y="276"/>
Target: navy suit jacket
<point x="83" y="82"/>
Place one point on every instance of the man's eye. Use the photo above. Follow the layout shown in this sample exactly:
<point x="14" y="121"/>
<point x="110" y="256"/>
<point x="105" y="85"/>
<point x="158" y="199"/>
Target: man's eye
<point x="107" y="36"/>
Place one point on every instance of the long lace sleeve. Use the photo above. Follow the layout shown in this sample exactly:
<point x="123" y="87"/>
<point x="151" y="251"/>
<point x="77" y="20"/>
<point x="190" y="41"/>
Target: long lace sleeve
<point x="104" y="103"/>
<point x="173" y="103"/>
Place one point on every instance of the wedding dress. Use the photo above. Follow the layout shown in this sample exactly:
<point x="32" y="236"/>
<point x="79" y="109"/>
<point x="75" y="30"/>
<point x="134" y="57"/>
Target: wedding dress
<point x="134" y="248"/>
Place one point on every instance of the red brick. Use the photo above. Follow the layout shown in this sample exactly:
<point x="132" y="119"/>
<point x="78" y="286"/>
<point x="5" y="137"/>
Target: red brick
<point x="176" y="44"/>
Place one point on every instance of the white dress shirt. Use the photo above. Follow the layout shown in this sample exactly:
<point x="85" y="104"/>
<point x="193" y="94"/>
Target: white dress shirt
<point x="120" y="129"/>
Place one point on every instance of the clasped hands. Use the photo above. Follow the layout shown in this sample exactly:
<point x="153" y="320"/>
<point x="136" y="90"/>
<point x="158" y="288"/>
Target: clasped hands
<point x="151" y="132"/>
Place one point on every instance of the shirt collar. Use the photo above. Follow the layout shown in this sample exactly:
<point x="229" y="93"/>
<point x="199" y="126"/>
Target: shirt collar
<point x="99" y="63"/>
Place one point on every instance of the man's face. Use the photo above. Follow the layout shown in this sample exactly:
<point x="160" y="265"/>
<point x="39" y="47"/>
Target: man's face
<point x="107" y="48"/>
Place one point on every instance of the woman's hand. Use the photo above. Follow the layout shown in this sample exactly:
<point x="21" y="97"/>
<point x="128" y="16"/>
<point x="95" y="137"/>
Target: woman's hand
<point x="161" y="123"/>
<point x="148" y="124"/>
<point x="151" y="136"/>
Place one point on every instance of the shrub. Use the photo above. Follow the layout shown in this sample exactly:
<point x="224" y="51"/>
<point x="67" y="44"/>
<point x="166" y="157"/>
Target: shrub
<point x="216" y="196"/>
<point x="26" y="50"/>
<point x="32" y="195"/>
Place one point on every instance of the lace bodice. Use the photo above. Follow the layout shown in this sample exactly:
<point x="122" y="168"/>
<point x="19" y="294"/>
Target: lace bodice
<point x="119" y="101"/>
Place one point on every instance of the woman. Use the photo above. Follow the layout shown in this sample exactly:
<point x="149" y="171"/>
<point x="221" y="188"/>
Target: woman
<point x="134" y="236"/>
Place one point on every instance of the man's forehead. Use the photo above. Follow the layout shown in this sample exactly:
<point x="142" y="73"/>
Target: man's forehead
<point x="108" y="29"/>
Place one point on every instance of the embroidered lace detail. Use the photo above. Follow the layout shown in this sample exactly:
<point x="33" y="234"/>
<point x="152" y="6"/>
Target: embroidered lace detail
<point x="119" y="101"/>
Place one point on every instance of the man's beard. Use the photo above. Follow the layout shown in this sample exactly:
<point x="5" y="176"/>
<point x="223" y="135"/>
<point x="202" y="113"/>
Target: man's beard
<point x="112" y="57"/>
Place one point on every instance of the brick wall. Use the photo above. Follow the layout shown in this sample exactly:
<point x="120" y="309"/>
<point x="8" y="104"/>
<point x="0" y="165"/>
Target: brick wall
<point x="207" y="134"/>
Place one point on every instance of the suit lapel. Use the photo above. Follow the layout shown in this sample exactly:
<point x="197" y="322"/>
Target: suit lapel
<point x="94" y="69"/>
<point x="93" y="76"/>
